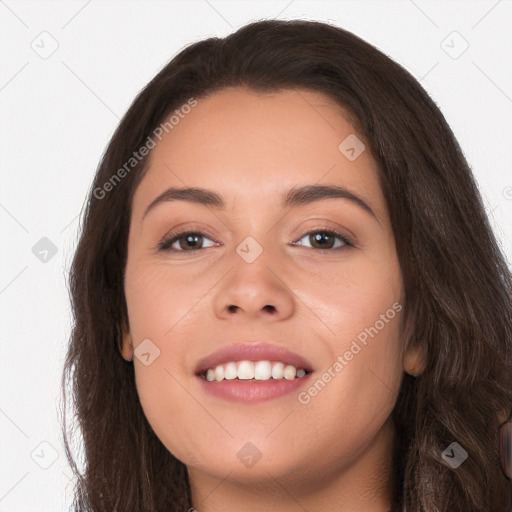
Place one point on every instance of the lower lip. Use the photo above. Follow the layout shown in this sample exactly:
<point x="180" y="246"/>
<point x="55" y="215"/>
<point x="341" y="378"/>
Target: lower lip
<point x="253" y="390"/>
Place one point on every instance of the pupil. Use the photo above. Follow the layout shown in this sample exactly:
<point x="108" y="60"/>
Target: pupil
<point x="319" y="236"/>
<point x="192" y="238"/>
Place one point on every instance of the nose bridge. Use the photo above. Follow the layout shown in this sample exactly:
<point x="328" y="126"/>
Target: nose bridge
<point x="256" y="262"/>
<point x="255" y="233"/>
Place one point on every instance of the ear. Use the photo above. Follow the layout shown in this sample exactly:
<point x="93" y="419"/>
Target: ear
<point x="126" y="348"/>
<point x="415" y="359"/>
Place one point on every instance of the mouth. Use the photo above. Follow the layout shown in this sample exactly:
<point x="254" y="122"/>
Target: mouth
<point x="250" y="373"/>
<point x="261" y="370"/>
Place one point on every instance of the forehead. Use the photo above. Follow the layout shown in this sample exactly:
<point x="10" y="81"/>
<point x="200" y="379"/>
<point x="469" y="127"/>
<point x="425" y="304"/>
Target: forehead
<point x="259" y="145"/>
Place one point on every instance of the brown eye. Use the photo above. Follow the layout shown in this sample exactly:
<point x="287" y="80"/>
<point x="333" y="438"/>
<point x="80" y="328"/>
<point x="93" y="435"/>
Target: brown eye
<point x="326" y="239"/>
<point x="187" y="241"/>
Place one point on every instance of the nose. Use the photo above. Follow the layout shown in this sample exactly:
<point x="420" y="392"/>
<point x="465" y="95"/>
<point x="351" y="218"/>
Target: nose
<point x="233" y="308"/>
<point x="253" y="291"/>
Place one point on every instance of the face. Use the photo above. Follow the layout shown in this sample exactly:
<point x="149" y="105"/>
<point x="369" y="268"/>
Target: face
<point x="318" y="277"/>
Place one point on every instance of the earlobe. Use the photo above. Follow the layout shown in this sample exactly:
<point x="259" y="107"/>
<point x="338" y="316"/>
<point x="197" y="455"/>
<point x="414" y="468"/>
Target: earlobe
<point x="127" y="346"/>
<point x="415" y="360"/>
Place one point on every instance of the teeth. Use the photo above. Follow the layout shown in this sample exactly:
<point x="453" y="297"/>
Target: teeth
<point x="263" y="370"/>
<point x="249" y="370"/>
<point x="219" y="373"/>
<point x="230" y="371"/>
<point x="278" y="371"/>
<point x="245" y="370"/>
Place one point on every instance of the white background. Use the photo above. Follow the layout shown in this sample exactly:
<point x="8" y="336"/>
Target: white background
<point x="58" y="113"/>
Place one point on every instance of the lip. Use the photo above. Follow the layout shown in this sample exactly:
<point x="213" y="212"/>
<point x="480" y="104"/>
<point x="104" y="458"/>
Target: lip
<point x="252" y="352"/>
<point x="252" y="391"/>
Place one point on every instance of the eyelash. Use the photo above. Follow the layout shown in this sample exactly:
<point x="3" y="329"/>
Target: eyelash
<point x="166" y="243"/>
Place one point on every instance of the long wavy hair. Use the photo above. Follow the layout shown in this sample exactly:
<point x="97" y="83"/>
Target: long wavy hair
<point x="458" y="288"/>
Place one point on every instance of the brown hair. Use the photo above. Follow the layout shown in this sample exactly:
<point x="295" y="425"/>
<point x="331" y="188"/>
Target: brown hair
<point x="458" y="289"/>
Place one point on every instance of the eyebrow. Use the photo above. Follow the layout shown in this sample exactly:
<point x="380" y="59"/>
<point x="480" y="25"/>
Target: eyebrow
<point x="294" y="197"/>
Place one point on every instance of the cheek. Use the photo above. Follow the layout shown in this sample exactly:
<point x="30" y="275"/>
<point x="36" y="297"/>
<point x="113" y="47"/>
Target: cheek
<point x="152" y="308"/>
<point x="160" y="307"/>
<point x="350" y="296"/>
<point x="355" y="392"/>
<point x="158" y="300"/>
<point x="358" y="306"/>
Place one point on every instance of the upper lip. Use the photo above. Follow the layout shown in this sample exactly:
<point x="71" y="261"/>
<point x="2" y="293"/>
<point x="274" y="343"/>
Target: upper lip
<point x="251" y="352"/>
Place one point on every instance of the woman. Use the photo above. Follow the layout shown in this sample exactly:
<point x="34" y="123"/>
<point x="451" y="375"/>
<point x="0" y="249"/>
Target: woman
<point x="224" y="356"/>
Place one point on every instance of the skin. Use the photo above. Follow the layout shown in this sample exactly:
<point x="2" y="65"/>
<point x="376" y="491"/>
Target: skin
<point x="333" y="453"/>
